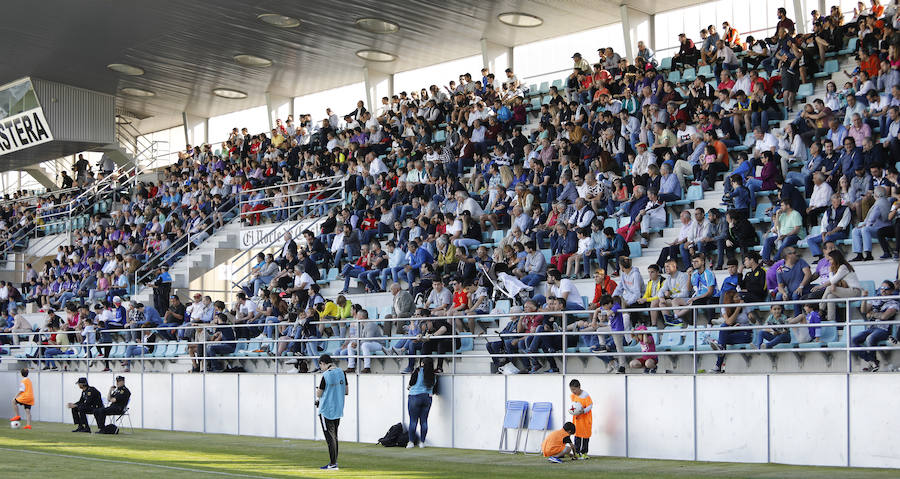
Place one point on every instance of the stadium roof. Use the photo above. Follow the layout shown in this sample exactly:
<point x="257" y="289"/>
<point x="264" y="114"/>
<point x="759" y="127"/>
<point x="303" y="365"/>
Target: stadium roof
<point x="187" y="49"/>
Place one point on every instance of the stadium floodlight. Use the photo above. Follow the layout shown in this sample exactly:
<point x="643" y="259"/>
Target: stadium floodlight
<point x="125" y="69"/>
<point x="520" y="19"/>
<point x="133" y="91"/>
<point x="229" y="93"/>
<point x="277" y="20"/>
<point x="248" y="60"/>
<point x="376" y="55"/>
<point x="377" y="25"/>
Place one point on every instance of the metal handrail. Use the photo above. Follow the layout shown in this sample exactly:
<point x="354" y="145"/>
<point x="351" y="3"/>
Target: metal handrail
<point x="166" y="255"/>
<point x="343" y="180"/>
<point x="37" y="197"/>
<point x="452" y="334"/>
<point x="294" y="184"/>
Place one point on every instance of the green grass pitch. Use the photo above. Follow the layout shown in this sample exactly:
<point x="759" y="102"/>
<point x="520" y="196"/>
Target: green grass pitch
<point x="50" y="450"/>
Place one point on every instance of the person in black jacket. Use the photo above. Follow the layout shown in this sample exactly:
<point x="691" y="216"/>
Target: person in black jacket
<point x="753" y="283"/>
<point x="90" y="401"/>
<point x="740" y="234"/>
<point x="118" y="398"/>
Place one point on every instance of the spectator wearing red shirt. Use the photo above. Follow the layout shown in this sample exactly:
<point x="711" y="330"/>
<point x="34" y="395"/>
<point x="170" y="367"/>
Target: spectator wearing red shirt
<point x="603" y="284"/>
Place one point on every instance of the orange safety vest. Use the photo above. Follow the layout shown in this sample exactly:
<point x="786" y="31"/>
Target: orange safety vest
<point x="26" y="396"/>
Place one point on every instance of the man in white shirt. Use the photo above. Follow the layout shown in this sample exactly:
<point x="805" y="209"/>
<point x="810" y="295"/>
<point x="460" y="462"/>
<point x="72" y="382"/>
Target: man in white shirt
<point x="821" y="196"/>
<point x="764" y="142"/>
<point x="684" y="235"/>
<point x="699" y="230"/>
<point x="583" y="214"/>
<point x="562" y="288"/>
<point x="742" y="81"/>
<point x="440" y="299"/>
<point x="465" y="203"/>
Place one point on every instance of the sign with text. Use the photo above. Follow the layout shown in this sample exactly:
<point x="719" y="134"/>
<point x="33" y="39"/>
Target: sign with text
<point x="24" y="130"/>
<point x="250" y="237"/>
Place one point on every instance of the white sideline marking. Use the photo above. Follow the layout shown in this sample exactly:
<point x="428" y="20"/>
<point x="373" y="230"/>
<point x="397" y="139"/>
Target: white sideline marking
<point x="148" y="464"/>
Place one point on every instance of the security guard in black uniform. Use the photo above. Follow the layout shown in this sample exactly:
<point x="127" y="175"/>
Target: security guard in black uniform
<point x="118" y="400"/>
<point x="90" y="400"/>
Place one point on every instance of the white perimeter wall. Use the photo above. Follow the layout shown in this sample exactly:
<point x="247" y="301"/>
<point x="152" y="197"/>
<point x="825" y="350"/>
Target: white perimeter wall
<point x="815" y="419"/>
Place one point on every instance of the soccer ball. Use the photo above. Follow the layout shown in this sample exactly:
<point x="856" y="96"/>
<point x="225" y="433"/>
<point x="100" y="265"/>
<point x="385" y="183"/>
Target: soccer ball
<point x="14" y="424"/>
<point x="575" y="409"/>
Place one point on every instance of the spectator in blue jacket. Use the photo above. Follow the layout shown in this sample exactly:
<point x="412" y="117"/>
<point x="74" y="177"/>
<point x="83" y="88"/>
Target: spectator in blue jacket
<point x="850" y="160"/>
<point x="415" y="259"/>
<point x="669" y="187"/>
<point x="740" y="196"/>
<point x="613" y="246"/>
<point x="563" y="243"/>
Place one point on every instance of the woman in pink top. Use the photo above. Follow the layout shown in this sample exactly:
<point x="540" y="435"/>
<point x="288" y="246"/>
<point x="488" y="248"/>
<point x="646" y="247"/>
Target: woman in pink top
<point x="648" y="345"/>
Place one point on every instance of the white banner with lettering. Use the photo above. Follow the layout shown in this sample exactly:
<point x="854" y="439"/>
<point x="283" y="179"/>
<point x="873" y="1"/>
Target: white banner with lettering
<point x="25" y="130"/>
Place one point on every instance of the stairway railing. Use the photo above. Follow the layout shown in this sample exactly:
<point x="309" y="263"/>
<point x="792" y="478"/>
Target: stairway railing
<point x="310" y="209"/>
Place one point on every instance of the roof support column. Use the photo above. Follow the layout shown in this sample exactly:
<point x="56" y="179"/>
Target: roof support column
<point x="497" y="58"/>
<point x="378" y="85"/>
<point x="636" y="26"/>
<point x="196" y="130"/>
<point x="278" y="107"/>
<point x="800" y="17"/>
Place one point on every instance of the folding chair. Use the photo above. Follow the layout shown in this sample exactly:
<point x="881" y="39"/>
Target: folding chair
<point x="119" y="421"/>
<point x="538" y="421"/>
<point x="514" y="418"/>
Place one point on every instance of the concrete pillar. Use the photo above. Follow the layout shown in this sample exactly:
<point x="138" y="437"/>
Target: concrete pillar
<point x="196" y="130"/>
<point x="378" y="85"/>
<point x="800" y="15"/>
<point x="497" y="58"/>
<point x="278" y="107"/>
<point x="636" y="26"/>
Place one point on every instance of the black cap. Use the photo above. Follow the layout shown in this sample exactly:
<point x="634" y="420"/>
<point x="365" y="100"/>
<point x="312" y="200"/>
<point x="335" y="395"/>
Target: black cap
<point x="81" y="381"/>
<point x="576" y="55"/>
<point x="120" y="378"/>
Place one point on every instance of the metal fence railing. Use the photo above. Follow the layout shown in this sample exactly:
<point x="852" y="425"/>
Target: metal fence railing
<point x="278" y="342"/>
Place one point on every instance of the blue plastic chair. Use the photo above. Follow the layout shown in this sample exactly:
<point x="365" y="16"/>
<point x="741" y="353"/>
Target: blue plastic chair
<point x="513" y="418"/>
<point x="541" y="414"/>
<point x="666" y="64"/>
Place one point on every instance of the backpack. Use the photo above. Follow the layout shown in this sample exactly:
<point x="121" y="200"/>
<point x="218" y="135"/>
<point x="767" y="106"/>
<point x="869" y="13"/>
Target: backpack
<point x="396" y="436"/>
<point x="109" y="429"/>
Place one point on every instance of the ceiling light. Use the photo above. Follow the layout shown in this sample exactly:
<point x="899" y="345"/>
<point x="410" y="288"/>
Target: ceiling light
<point x="229" y="93"/>
<point x="519" y="19"/>
<point x="280" y="21"/>
<point x="376" y="55"/>
<point x="125" y="69"/>
<point x="252" y="61"/>
<point x="377" y="25"/>
<point x="132" y="91"/>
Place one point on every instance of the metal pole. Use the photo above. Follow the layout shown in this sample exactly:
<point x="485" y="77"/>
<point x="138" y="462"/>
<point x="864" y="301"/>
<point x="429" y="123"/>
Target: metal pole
<point x="565" y="328"/>
<point x="694" y="332"/>
<point x="847" y="336"/>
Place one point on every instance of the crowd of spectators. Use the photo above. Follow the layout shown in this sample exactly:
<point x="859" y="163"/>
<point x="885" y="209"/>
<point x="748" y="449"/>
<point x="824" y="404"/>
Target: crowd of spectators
<point x="453" y="200"/>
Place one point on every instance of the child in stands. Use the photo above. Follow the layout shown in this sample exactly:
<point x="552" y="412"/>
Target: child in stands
<point x="648" y="345"/>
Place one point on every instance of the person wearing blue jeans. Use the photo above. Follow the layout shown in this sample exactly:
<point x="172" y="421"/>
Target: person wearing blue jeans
<point x="415" y="258"/>
<point x="734" y="317"/>
<point x="421" y="387"/>
<point x="876" y="310"/>
<point x="793" y="278"/>
<point x="876" y="218"/>
<point x="222" y="342"/>
<point x="786" y="228"/>
<point x="834" y="226"/>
